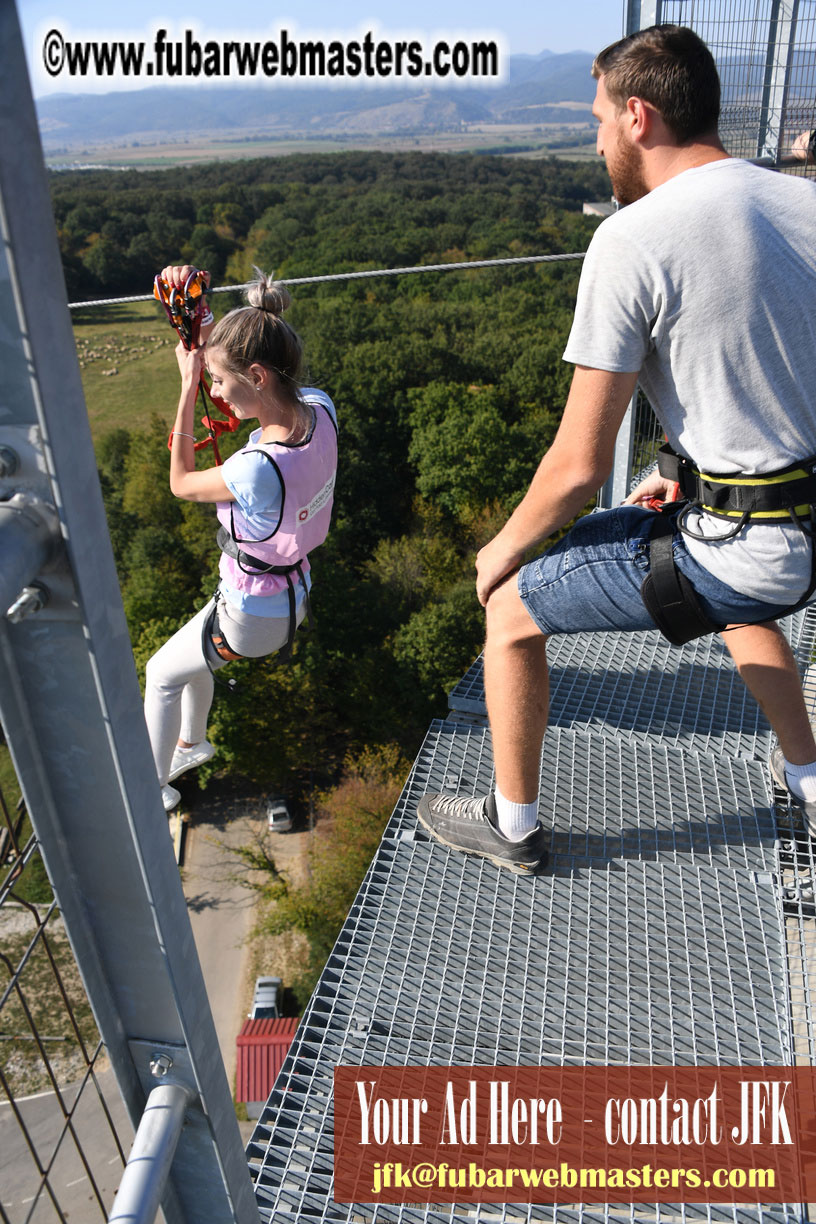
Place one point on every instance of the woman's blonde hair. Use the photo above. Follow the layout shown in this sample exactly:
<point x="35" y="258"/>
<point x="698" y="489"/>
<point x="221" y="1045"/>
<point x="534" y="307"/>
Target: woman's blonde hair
<point x="258" y="334"/>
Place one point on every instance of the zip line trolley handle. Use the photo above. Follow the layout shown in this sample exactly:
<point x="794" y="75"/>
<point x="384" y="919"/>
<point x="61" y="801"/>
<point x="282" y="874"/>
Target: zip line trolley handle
<point x="186" y="309"/>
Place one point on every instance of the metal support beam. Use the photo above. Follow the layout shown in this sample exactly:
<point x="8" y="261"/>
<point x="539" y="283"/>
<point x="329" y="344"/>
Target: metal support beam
<point x="29" y="534"/>
<point x="616" y="487"/>
<point x="640" y="14"/>
<point x="70" y="702"/>
<point x="778" y="65"/>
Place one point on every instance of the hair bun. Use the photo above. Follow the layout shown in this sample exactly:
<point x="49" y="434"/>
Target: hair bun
<point x="267" y="294"/>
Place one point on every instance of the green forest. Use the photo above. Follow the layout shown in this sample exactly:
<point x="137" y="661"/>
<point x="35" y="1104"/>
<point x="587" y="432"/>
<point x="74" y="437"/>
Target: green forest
<point x="448" y="385"/>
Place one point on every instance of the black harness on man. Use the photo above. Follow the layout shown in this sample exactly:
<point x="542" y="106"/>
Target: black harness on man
<point x="772" y="497"/>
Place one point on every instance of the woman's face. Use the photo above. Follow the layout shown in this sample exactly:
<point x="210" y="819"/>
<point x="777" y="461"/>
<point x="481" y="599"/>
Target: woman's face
<point x="241" y="396"/>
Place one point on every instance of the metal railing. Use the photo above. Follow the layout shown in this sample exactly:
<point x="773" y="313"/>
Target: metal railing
<point x="764" y="53"/>
<point x="49" y="1048"/>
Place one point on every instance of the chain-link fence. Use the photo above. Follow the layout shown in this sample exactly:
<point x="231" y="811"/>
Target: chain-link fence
<point x="63" y="1132"/>
<point x="765" y="54"/>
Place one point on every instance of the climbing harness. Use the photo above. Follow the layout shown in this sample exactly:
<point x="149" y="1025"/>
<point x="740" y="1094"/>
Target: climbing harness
<point x="187" y="309"/>
<point x="667" y="594"/>
<point x="219" y="641"/>
<point x="302" y="524"/>
<point x="213" y="635"/>
<point x="772" y="497"/>
<point x="255" y="565"/>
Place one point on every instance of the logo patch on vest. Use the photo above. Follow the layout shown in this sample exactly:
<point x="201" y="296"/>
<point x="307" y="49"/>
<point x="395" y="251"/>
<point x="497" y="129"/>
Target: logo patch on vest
<point x="318" y="501"/>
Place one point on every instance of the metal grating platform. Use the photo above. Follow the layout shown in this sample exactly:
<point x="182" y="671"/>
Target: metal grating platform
<point x="652" y="964"/>
<point x="563" y="970"/>
<point x="658" y="937"/>
<point x="636" y="684"/>
<point x="608" y="799"/>
<point x="676" y="922"/>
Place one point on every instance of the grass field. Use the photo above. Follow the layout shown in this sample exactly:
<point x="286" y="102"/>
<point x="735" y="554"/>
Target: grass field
<point x="127" y="363"/>
<point x="9" y="788"/>
<point x="473" y="138"/>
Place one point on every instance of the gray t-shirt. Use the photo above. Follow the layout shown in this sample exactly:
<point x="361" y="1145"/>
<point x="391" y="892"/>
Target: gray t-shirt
<point x="707" y="287"/>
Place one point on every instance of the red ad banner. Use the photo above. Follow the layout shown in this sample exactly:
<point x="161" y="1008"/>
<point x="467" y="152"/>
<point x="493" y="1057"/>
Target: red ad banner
<point x="575" y="1134"/>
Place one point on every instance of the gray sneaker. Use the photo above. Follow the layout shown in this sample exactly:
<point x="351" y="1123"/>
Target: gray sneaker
<point x="776" y="761"/>
<point x="470" y="825"/>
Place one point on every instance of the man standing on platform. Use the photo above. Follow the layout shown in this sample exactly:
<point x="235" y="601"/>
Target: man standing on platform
<point x="703" y="288"/>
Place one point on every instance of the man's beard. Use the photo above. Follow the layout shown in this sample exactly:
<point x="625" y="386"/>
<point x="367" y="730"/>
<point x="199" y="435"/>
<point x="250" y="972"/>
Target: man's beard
<point x="626" y="172"/>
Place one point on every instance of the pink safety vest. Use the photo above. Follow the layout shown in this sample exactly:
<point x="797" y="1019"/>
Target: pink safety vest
<point x="307" y="473"/>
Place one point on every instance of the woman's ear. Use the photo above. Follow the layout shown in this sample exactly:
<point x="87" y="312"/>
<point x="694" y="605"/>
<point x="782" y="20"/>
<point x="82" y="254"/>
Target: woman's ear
<point x="259" y="376"/>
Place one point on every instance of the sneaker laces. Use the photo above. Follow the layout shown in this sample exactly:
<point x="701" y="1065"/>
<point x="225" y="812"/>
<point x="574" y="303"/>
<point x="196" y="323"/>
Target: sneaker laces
<point x="456" y="805"/>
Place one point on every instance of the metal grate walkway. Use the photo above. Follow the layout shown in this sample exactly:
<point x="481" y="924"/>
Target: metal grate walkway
<point x="636" y="685"/>
<point x="674" y="925"/>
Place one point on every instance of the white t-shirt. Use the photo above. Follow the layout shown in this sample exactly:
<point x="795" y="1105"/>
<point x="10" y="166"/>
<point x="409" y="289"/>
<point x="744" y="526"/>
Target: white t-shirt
<point x="707" y="287"/>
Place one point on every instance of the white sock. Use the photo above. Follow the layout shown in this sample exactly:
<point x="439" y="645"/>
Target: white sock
<point x="516" y="820"/>
<point x="802" y="780"/>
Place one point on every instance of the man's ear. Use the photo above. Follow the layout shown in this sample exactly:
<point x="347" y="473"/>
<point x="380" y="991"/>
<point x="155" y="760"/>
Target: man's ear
<point x="640" y="116"/>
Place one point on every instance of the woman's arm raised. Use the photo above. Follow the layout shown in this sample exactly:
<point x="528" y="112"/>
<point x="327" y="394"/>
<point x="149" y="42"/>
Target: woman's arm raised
<point x="185" y="481"/>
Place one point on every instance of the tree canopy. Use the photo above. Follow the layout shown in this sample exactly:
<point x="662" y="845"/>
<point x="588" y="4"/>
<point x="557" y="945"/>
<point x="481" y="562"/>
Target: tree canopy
<point x="448" y="385"/>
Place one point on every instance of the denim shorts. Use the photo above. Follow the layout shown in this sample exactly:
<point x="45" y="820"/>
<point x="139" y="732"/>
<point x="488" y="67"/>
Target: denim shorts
<point x="590" y="579"/>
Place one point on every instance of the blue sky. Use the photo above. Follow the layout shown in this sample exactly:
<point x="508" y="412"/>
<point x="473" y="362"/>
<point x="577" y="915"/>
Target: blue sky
<point x="584" y="25"/>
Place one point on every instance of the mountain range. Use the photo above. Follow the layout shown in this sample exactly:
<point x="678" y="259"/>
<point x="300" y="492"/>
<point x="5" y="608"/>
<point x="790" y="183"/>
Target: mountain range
<point x="538" y="89"/>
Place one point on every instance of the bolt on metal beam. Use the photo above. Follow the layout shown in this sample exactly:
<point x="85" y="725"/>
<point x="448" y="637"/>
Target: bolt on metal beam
<point x="29" y="537"/>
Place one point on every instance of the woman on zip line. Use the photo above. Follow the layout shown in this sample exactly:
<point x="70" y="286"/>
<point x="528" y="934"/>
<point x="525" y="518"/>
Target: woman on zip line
<point x="273" y="499"/>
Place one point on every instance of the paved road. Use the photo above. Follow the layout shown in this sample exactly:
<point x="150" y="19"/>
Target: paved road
<point x="222" y="910"/>
<point x="58" y="1153"/>
<point x="221" y="913"/>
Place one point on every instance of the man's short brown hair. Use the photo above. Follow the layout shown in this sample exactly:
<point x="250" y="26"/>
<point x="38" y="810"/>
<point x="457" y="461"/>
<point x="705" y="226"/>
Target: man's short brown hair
<point x="670" y="67"/>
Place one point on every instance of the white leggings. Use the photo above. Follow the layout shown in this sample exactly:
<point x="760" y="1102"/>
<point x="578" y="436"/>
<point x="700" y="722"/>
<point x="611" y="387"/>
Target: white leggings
<point x="179" y="684"/>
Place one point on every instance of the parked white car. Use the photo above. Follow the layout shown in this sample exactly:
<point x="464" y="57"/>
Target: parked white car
<point x="277" y="816"/>
<point x="265" y="1000"/>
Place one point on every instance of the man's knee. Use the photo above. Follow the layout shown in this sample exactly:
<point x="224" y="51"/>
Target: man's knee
<point x="508" y="621"/>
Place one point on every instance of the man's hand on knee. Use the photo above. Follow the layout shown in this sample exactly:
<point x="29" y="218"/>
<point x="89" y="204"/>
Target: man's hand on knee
<point x="494" y="563"/>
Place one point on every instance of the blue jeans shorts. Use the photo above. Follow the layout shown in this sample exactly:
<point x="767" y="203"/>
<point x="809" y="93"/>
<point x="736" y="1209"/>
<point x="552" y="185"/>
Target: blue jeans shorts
<point x="590" y="579"/>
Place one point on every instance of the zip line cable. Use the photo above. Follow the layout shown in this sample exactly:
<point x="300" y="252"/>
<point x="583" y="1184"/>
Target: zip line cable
<point x="337" y="276"/>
